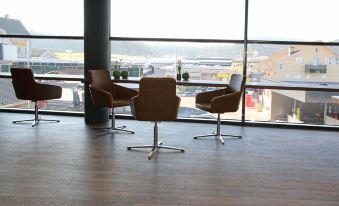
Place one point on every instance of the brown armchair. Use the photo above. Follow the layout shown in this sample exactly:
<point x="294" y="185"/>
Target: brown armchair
<point x="26" y="88"/>
<point x="222" y="101"/>
<point x="106" y="94"/>
<point x="157" y="101"/>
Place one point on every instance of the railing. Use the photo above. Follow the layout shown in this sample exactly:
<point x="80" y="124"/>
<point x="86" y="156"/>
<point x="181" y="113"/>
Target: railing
<point x="315" y="69"/>
<point x="276" y="86"/>
<point x="302" y="86"/>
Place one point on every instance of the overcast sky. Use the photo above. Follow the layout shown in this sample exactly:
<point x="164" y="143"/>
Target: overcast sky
<point x="285" y="19"/>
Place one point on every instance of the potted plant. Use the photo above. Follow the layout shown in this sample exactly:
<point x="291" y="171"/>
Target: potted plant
<point x="116" y="74"/>
<point x="179" y="70"/>
<point x="124" y="74"/>
<point x="185" y="76"/>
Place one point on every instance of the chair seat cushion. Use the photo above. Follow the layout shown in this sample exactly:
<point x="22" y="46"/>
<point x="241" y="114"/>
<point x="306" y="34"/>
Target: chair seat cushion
<point x="120" y="102"/>
<point x="46" y="92"/>
<point x="204" y="106"/>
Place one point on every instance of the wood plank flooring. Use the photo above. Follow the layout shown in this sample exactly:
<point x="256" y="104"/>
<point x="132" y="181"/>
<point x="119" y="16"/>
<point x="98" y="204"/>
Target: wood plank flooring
<point x="67" y="164"/>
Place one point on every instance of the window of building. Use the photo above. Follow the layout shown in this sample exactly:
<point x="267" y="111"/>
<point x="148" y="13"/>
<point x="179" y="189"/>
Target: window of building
<point x="332" y="60"/>
<point x="299" y="60"/>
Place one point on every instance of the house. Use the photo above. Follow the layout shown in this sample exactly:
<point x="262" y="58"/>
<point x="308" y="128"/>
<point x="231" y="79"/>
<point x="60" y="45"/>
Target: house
<point x="305" y="65"/>
<point x="14" y="27"/>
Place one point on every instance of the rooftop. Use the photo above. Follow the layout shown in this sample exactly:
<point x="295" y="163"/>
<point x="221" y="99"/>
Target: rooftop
<point x="12" y="26"/>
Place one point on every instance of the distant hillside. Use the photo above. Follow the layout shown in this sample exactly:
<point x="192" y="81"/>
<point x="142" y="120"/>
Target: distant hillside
<point x="142" y="49"/>
<point x="57" y="44"/>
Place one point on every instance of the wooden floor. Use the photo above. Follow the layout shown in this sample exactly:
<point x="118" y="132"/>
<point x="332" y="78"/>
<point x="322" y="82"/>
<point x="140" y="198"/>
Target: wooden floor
<point x="67" y="164"/>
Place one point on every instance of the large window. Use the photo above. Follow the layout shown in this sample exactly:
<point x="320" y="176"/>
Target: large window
<point x="292" y="107"/>
<point x="45" y="56"/>
<point x="152" y="41"/>
<point x="48" y="56"/>
<point x="203" y="61"/>
<point x="72" y="99"/>
<point x="303" y="64"/>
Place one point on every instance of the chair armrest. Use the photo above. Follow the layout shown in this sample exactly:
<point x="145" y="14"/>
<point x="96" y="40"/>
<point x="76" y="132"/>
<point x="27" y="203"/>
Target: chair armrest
<point x="208" y="96"/>
<point x="101" y="98"/>
<point x="124" y="92"/>
<point x="226" y="103"/>
<point x="133" y="104"/>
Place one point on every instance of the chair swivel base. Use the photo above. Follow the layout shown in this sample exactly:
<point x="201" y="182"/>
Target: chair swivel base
<point x="110" y="130"/>
<point x="156" y="145"/>
<point x="218" y="136"/>
<point x="35" y="121"/>
<point x="113" y="129"/>
<point x="155" y="148"/>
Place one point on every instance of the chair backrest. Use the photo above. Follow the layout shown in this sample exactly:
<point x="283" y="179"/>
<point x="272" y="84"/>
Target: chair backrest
<point x="230" y="102"/>
<point x="157" y="100"/>
<point x="24" y="83"/>
<point x="237" y="82"/>
<point x="101" y="79"/>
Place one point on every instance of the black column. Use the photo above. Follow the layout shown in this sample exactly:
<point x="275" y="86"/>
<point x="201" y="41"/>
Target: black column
<point x="97" y="51"/>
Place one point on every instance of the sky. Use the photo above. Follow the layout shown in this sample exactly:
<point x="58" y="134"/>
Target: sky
<point x="220" y="19"/>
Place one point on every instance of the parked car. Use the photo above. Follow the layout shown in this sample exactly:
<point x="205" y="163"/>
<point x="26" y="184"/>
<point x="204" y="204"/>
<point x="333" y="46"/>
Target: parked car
<point x="188" y="94"/>
<point x="197" y="91"/>
<point x="188" y="112"/>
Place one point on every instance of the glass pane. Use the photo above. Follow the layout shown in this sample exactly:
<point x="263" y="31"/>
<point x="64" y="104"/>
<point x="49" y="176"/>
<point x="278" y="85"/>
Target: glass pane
<point x="214" y="19"/>
<point x="42" y="17"/>
<point x="299" y="64"/>
<point x="203" y="61"/>
<point x="292" y="107"/>
<point x="72" y="99"/>
<point x="188" y="109"/>
<point x="292" y="65"/>
<point x="300" y="20"/>
<point x="64" y="57"/>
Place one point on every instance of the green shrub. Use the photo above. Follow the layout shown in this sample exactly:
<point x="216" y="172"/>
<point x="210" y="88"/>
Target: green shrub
<point x="124" y="74"/>
<point x="116" y="74"/>
<point x="185" y="76"/>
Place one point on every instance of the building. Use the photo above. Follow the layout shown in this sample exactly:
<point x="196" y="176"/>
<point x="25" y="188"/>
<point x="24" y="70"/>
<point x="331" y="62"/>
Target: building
<point x="14" y="26"/>
<point x="304" y="65"/>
